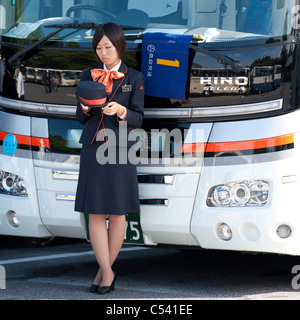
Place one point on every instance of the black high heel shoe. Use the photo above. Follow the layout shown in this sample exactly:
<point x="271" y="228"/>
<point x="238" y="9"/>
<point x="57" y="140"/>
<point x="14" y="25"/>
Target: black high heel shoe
<point x="107" y="289"/>
<point x="94" y="288"/>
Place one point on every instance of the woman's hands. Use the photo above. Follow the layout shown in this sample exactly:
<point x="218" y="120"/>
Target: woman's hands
<point x="110" y="109"/>
<point x="113" y="108"/>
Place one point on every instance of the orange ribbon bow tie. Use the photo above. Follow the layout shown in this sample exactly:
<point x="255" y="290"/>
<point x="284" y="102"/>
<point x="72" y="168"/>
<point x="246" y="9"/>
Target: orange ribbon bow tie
<point x="106" y="77"/>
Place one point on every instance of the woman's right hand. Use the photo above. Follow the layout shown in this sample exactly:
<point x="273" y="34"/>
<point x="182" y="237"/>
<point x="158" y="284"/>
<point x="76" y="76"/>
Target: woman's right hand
<point x="85" y="108"/>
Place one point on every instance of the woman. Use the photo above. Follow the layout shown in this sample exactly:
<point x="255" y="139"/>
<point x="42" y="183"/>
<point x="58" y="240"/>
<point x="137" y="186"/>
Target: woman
<point x="109" y="189"/>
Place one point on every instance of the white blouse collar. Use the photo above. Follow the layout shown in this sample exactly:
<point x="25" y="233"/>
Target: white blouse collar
<point x="115" y="68"/>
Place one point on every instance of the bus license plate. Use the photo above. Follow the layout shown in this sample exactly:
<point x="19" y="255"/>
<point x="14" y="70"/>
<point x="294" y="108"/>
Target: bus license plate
<point x="134" y="233"/>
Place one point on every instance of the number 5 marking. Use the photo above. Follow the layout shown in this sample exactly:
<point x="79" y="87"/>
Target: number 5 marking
<point x="132" y="226"/>
<point x="134" y="229"/>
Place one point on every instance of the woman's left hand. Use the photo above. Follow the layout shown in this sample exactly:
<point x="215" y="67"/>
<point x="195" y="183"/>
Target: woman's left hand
<point x="113" y="108"/>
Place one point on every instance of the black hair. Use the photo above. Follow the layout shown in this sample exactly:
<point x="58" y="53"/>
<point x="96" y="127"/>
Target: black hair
<point x="114" y="33"/>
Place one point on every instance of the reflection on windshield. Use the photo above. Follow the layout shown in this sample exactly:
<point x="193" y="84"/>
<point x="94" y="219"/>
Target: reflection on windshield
<point x="213" y="20"/>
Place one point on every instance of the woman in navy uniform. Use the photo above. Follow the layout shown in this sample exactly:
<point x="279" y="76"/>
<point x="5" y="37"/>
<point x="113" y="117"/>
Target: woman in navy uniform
<point x="109" y="188"/>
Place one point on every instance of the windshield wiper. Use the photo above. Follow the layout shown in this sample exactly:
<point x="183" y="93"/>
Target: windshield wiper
<point x="235" y="65"/>
<point x="15" y="60"/>
<point x="92" y="25"/>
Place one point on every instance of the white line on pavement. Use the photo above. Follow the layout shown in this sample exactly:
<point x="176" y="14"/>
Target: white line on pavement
<point x="61" y="256"/>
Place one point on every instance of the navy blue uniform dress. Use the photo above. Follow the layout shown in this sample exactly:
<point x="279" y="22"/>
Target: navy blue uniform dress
<point x="107" y="185"/>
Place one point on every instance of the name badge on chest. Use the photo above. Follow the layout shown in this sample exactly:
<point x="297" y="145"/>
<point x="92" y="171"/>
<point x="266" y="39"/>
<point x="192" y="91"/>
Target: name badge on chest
<point x="126" y="88"/>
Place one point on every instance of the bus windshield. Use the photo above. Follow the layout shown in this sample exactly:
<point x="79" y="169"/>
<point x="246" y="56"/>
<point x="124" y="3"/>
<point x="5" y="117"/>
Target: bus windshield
<point x="212" y="21"/>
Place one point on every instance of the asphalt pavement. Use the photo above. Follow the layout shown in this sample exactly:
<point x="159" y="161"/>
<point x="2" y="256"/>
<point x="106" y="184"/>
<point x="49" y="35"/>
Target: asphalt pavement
<point x="64" y="271"/>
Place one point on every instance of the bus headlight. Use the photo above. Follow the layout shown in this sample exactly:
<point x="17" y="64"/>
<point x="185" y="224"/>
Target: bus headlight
<point x="12" y="184"/>
<point x="250" y="193"/>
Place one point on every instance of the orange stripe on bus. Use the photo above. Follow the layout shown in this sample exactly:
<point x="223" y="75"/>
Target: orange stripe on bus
<point x="27" y="140"/>
<point x="193" y="147"/>
<point x="40" y="142"/>
<point x="238" y="145"/>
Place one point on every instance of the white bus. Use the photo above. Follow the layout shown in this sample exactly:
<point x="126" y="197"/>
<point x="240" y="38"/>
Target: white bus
<point x="238" y="191"/>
